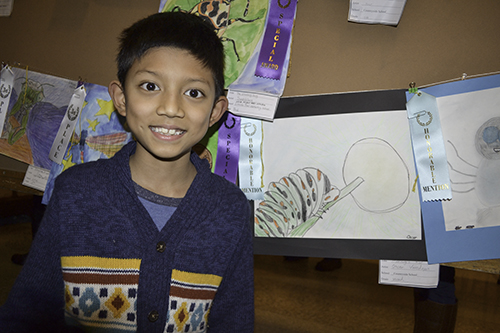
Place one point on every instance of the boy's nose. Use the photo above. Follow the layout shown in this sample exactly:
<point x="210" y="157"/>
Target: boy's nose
<point x="170" y="106"/>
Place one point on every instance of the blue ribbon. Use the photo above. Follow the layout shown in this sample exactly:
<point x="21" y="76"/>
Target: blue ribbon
<point x="428" y="147"/>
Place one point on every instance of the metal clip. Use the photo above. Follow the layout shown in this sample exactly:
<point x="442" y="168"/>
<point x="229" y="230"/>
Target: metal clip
<point x="413" y="89"/>
<point x="418" y="114"/>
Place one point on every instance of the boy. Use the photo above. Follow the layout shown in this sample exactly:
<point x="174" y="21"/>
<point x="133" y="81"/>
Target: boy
<point x="149" y="240"/>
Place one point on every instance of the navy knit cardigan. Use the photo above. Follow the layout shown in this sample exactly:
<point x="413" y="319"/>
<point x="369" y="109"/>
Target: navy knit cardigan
<point x="99" y="262"/>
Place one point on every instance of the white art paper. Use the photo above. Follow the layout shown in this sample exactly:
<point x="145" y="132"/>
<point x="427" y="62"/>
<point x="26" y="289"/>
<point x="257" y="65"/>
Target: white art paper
<point x="356" y="168"/>
<point x="467" y="120"/>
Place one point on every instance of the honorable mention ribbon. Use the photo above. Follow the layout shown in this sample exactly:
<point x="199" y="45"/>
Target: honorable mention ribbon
<point x="428" y="147"/>
<point x="276" y="39"/>
<point x="250" y="165"/>
<point x="67" y="126"/>
<point x="6" y="85"/>
<point x="228" y="148"/>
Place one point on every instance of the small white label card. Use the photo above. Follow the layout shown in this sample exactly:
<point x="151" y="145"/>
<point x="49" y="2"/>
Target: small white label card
<point x="36" y="178"/>
<point x="6" y="7"/>
<point x="417" y="274"/>
<point x="376" y="11"/>
<point x="253" y="105"/>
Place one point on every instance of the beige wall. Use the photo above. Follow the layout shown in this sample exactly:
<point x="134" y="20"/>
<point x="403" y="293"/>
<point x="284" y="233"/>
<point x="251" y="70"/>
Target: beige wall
<point x="435" y="41"/>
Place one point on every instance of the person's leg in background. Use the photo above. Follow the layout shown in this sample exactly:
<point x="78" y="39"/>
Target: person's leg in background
<point x="36" y="216"/>
<point x="436" y="308"/>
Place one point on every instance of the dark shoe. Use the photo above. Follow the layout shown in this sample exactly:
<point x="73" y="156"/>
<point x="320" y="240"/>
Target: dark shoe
<point x="19" y="259"/>
<point x="328" y="264"/>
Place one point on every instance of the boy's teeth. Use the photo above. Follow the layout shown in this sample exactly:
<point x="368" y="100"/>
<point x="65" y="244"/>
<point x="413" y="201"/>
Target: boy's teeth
<point x="166" y="131"/>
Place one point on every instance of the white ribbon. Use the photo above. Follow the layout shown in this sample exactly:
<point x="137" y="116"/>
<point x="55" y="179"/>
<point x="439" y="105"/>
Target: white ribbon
<point x="68" y="123"/>
<point x="6" y="85"/>
<point x="428" y="147"/>
<point x="250" y="161"/>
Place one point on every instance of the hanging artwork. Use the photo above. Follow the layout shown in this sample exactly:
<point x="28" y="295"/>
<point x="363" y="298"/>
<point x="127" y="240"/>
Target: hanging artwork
<point x="473" y="149"/>
<point x="99" y="133"/>
<point x="257" y="37"/>
<point x="467" y="226"/>
<point x="256" y="92"/>
<point x="37" y="105"/>
<point x="348" y="175"/>
<point x="238" y="23"/>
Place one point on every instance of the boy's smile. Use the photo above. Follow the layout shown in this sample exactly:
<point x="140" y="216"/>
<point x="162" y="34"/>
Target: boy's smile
<point x="168" y="100"/>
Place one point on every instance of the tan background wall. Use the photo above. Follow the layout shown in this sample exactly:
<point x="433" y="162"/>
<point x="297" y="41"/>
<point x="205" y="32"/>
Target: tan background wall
<point x="435" y="41"/>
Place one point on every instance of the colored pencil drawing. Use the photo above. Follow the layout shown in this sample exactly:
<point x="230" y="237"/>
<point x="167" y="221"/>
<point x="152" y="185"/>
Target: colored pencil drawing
<point x="294" y="204"/>
<point x="482" y="178"/>
<point x="239" y="24"/>
<point x="358" y="183"/>
<point x="469" y="123"/>
<point x="99" y="133"/>
<point x="37" y="105"/>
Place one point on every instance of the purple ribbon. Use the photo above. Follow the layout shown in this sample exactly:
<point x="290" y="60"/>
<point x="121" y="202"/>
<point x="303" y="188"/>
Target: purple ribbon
<point x="228" y="148"/>
<point x="276" y="39"/>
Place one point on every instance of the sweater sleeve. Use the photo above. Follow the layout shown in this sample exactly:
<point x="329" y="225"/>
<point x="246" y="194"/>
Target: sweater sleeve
<point x="233" y="306"/>
<point x="36" y="301"/>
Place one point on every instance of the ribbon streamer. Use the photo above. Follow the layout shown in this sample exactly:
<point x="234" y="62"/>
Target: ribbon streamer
<point x="228" y="148"/>
<point x="6" y="84"/>
<point x="428" y="147"/>
<point x="67" y="125"/>
<point x="250" y="164"/>
<point x="276" y="39"/>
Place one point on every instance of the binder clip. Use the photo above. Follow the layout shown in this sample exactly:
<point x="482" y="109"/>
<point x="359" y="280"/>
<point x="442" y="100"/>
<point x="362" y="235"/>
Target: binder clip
<point x="413" y="89"/>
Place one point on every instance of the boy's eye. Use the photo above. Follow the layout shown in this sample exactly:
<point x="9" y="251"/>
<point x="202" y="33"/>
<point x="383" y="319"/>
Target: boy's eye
<point x="194" y="93"/>
<point x="149" y="86"/>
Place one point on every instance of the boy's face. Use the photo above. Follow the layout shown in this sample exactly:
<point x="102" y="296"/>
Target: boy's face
<point x="168" y="101"/>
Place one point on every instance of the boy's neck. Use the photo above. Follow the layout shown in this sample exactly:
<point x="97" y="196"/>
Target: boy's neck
<point x="167" y="178"/>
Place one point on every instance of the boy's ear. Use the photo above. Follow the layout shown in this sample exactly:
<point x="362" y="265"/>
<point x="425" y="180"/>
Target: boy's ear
<point x="118" y="96"/>
<point x="218" y="110"/>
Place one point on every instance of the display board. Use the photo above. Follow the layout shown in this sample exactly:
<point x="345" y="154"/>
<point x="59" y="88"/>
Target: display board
<point x="329" y="54"/>
<point x="351" y="243"/>
<point x="78" y="41"/>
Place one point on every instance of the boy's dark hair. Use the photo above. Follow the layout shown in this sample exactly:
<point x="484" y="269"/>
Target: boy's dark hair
<point x="173" y="29"/>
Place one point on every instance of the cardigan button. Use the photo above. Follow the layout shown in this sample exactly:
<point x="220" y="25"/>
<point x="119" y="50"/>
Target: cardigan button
<point x="153" y="316"/>
<point x="161" y="246"/>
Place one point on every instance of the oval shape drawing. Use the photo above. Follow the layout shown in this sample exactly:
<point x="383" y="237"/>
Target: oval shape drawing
<point x="386" y="185"/>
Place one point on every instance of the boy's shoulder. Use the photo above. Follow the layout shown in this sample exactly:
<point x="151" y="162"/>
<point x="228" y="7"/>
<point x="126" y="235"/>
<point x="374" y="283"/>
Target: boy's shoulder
<point x="94" y="174"/>
<point x="228" y="194"/>
<point x="221" y="188"/>
<point x="85" y="169"/>
<point x="225" y="185"/>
